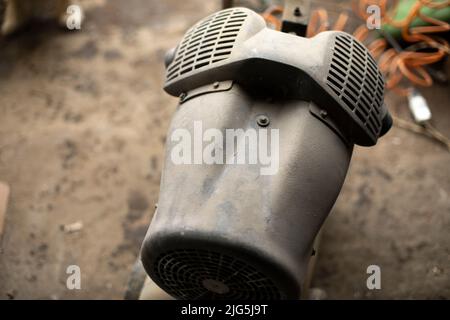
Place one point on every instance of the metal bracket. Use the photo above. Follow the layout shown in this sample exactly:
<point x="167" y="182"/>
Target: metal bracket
<point x="323" y="116"/>
<point x="213" y="87"/>
<point x="296" y="16"/>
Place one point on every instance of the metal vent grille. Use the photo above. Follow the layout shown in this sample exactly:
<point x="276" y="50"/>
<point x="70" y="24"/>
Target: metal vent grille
<point x="355" y="78"/>
<point x="203" y="274"/>
<point x="209" y="41"/>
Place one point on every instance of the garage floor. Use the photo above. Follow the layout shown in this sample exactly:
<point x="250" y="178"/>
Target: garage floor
<point x="83" y="119"/>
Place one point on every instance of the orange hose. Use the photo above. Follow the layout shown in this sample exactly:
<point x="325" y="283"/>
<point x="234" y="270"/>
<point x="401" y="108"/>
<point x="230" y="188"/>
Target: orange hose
<point x="396" y="66"/>
<point x="270" y="16"/>
<point x="318" y="22"/>
<point x="341" y="22"/>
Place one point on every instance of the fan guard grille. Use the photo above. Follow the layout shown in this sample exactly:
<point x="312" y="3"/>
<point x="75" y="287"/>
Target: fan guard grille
<point x="209" y="41"/>
<point x="203" y="274"/>
<point x="355" y="78"/>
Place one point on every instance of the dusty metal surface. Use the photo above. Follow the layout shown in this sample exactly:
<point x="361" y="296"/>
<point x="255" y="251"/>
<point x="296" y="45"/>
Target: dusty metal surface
<point x="82" y="127"/>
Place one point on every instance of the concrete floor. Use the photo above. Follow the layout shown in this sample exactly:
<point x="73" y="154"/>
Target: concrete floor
<point x="83" y="119"/>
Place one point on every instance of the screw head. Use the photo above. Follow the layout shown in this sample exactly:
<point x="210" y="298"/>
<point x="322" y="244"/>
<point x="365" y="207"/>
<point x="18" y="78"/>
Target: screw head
<point x="297" y="12"/>
<point x="262" y="120"/>
<point x="323" y="113"/>
<point x="216" y="85"/>
<point x="183" y="96"/>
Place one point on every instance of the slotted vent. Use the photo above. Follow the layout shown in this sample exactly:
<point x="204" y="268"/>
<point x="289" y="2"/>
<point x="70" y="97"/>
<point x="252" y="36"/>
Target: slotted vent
<point x="355" y="78"/>
<point x="209" y="41"/>
<point x="204" y="274"/>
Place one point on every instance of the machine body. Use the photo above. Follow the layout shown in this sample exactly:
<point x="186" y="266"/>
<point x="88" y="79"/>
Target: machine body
<point x="225" y="231"/>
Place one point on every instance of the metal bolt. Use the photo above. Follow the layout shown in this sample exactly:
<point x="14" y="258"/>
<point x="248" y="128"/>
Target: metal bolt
<point x="323" y="113"/>
<point x="297" y="12"/>
<point x="183" y="96"/>
<point x="262" y="120"/>
<point x="216" y="85"/>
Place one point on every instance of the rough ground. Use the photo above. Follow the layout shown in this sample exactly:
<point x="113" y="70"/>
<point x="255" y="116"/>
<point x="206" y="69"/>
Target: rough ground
<point x="83" y="120"/>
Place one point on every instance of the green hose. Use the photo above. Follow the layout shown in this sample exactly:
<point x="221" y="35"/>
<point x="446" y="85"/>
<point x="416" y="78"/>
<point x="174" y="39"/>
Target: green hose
<point x="404" y="8"/>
